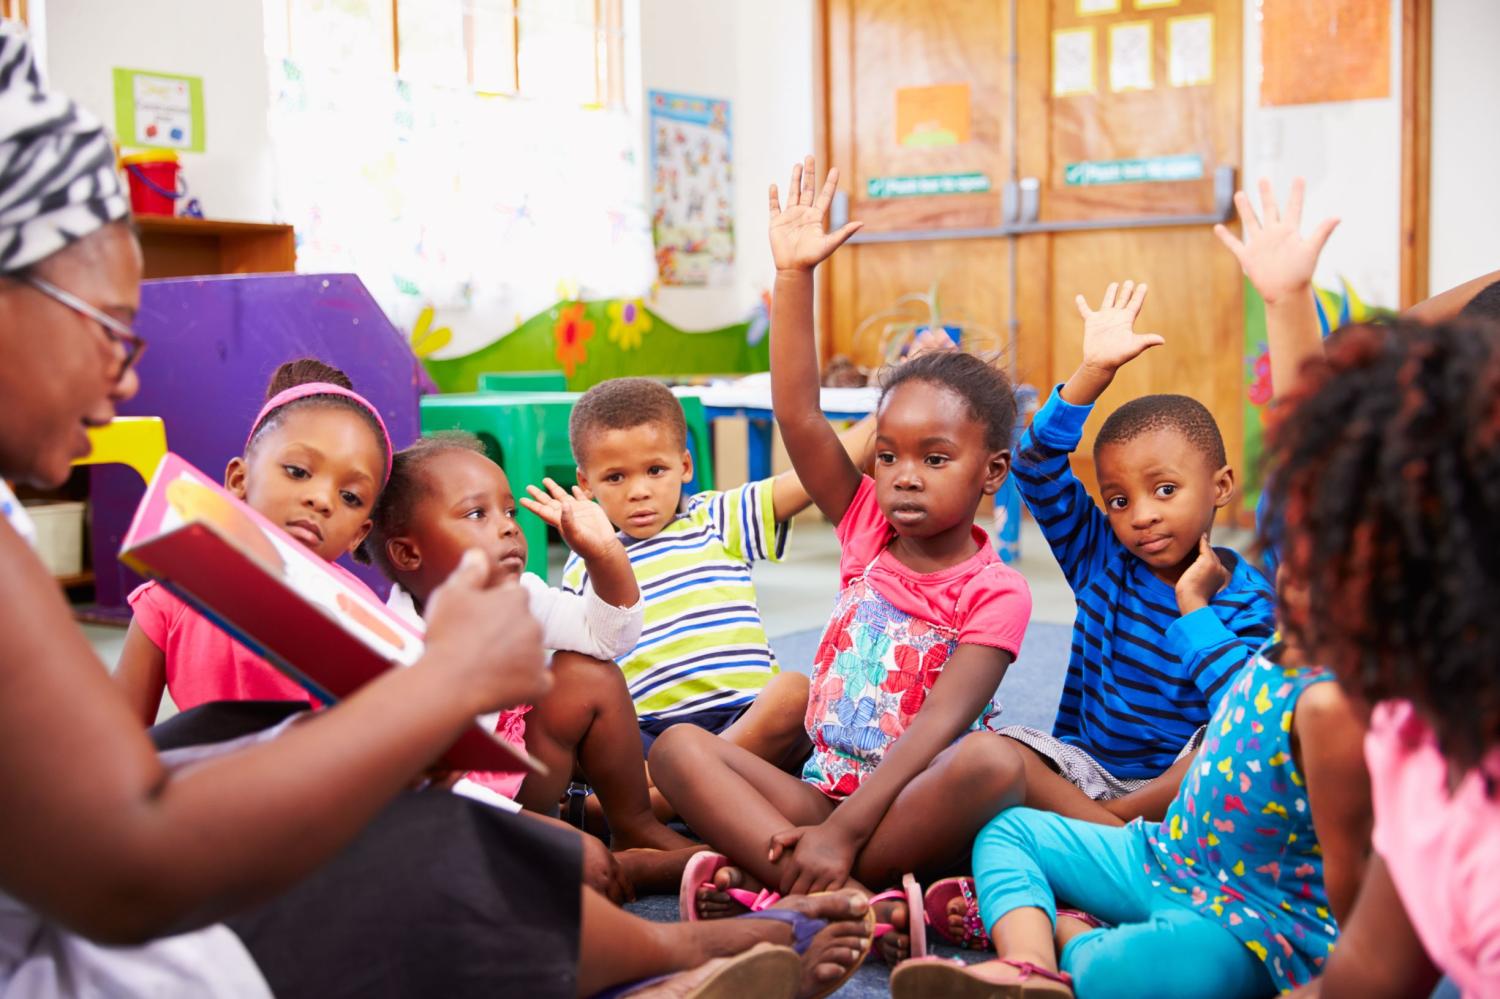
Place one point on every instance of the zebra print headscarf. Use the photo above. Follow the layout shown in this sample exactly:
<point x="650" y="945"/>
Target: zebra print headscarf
<point x="57" y="167"/>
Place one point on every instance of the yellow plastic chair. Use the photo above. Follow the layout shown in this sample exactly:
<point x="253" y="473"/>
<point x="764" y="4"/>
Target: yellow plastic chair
<point x="137" y="441"/>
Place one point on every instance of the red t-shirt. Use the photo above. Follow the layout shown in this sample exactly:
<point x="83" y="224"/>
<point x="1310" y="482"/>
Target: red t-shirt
<point x="982" y="599"/>
<point x="203" y="663"/>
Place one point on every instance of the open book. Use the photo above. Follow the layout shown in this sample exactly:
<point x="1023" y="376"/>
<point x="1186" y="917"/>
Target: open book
<point x="314" y="622"/>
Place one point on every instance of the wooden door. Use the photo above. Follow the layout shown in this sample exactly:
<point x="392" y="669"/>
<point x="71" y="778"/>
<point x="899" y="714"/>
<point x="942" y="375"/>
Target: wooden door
<point x="879" y="53"/>
<point x="1069" y="170"/>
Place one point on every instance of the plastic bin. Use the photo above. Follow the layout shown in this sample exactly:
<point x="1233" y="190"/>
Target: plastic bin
<point x="59" y="536"/>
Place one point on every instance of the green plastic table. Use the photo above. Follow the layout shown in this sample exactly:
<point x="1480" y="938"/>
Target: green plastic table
<point x="526" y="433"/>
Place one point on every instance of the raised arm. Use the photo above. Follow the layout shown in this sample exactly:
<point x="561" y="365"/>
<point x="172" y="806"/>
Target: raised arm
<point x="789" y="498"/>
<point x="1109" y="341"/>
<point x="1279" y="262"/>
<point x="1446" y="305"/>
<point x="102" y="839"/>
<point x="586" y="529"/>
<point x="799" y="243"/>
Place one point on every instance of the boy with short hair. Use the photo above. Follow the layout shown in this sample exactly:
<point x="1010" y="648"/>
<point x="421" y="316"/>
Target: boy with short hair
<point x="703" y="656"/>
<point x="1164" y="620"/>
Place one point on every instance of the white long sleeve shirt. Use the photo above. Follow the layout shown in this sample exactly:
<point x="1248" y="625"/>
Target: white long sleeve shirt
<point x="581" y="623"/>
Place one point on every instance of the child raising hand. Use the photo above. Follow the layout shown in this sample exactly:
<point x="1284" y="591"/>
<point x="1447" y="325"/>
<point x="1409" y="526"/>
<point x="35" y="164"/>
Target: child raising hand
<point x="926" y="622"/>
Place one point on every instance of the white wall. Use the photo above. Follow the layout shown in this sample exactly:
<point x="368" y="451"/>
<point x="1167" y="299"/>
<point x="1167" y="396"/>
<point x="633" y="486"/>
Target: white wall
<point x="760" y="57"/>
<point x="220" y="40"/>
<point x="1465" y="195"/>
<point x="1350" y="154"/>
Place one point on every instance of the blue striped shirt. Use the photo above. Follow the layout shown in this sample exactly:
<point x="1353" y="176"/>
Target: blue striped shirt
<point x="1141" y="676"/>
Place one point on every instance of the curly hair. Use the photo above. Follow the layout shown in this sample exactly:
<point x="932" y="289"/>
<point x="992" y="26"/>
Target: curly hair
<point x="1386" y="473"/>
<point x="305" y="371"/>
<point x="982" y="386"/>
<point x="1186" y="415"/>
<point x="392" y="513"/>
<point x="623" y="403"/>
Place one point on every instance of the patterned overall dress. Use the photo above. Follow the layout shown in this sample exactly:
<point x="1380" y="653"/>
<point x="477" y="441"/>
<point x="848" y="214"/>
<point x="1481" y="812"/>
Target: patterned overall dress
<point x="873" y="669"/>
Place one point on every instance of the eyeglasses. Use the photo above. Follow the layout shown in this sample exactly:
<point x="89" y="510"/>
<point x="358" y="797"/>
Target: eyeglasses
<point x="119" y="334"/>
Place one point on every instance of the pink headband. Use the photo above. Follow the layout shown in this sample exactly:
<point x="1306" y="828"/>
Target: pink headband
<point x="322" y="388"/>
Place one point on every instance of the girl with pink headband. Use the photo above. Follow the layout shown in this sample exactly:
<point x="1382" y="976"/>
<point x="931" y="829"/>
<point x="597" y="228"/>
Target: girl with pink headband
<point x="317" y="456"/>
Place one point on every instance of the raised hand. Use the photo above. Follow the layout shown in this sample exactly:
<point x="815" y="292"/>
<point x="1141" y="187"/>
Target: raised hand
<point x="584" y="526"/>
<point x="1274" y="255"/>
<point x="799" y="241"/>
<point x="1109" y="336"/>
<point x="1202" y="580"/>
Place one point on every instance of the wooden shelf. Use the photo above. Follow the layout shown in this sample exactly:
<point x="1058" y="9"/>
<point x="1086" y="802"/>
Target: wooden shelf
<point x="175" y="247"/>
<point x="84" y="578"/>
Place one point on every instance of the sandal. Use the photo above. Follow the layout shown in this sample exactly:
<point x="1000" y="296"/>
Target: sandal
<point x="804" y="928"/>
<point x="699" y="873"/>
<point x="763" y="970"/>
<point x="952" y="978"/>
<point x="916" y="928"/>
<point x="935" y="910"/>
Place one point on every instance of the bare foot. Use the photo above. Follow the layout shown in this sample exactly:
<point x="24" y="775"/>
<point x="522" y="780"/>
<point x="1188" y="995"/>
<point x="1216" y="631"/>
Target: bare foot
<point x="895" y="946"/>
<point x="646" y="833"/>
<point x="958" y="912"/>
<point x="716" y="902"/>
<point x="656" y="871"/>
<point x="840" y="946"/>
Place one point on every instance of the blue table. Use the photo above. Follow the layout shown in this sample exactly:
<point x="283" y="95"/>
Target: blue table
<point x="753" y="403"/>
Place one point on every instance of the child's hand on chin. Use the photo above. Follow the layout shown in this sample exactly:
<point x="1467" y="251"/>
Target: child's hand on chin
<point x="481" y="633"/>
<point x="1202" y="581"/>
<point x="583" y="524"/>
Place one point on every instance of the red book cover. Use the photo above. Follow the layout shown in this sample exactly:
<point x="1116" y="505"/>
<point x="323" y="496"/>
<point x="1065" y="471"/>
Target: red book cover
<point x="310" y="619"/>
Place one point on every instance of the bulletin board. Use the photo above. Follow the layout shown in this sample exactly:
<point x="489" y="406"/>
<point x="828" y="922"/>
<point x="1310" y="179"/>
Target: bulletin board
<point x="1329" y="50"/>
<point x="692" y="189"/>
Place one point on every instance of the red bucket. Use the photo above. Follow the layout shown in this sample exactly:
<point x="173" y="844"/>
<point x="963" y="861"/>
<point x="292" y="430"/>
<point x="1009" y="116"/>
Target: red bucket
<point x="154" y="183"/>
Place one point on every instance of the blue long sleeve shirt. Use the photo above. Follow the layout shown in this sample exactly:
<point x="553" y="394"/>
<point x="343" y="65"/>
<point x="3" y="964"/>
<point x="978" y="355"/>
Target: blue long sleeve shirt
<point x="1141" y="676"/>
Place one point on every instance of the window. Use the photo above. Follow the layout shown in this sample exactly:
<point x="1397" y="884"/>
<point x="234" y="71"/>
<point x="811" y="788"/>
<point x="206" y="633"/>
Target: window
<point x="562" y="50"/>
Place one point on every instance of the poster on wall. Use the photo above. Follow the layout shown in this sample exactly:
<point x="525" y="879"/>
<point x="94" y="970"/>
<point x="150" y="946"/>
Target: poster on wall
<point x="1337" y="50"/>
<point x="692" y="189"/>
<point x="932" y="116"/>
<point x="159" y="110"/>
<point x="1072" y="61"/>
<point x="1190" y="50"/>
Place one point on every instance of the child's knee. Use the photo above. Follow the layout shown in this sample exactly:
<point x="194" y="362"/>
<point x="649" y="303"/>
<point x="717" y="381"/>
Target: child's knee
<point x="585" y="674"/>
<point x="675" y="745"/>
<point x="784" y="698"/>
<point x="989" y="765"/>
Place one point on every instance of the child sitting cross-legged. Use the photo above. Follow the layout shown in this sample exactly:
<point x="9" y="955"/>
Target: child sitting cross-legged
<point x="926" y="622"/>
<point x="1238" y="892"/>
<point x="446" y="497"/>
<point x="703" y="658"/>
<point x="1164" y="619"/>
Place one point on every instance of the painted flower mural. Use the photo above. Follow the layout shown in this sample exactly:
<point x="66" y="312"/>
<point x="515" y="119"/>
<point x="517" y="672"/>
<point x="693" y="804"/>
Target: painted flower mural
<point x="629" y="321"/>
<point x="572" y="332"/>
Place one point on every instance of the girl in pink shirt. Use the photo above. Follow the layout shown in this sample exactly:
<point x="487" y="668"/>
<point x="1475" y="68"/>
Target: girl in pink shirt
<point x="315" y="461"/>
<point x="927" y="620"/>
<point x="1388" y="476"/>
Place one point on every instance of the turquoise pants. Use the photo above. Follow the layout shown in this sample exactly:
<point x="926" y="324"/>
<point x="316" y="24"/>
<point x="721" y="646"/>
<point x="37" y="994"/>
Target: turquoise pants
<point x="1155" y="947"/>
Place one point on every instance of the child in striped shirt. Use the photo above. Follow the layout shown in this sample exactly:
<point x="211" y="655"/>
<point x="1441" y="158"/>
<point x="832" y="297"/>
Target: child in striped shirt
<point x="1151" y="655"/>
<point x="703" y="657"/>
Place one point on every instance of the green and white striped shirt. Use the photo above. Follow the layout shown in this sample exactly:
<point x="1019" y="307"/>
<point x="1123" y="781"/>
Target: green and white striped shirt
<point x="703" y="645"/>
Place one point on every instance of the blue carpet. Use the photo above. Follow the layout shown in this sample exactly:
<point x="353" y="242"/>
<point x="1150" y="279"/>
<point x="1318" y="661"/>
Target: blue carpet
<point x="1029" y="696"/>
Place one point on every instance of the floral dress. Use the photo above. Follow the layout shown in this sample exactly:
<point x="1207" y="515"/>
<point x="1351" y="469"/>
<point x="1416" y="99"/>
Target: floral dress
<point x="873" y="670"/>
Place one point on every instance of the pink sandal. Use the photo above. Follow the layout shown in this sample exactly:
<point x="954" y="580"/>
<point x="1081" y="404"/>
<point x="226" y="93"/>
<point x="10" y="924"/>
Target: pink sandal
<point x="699" y="873"/>
<point x="946" y="976"/>
<point x="935" y="910"/>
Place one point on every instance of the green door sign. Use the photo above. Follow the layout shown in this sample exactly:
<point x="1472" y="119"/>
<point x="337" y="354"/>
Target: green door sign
<point x="1154" y="168"/>
<point x="927" y="184"/>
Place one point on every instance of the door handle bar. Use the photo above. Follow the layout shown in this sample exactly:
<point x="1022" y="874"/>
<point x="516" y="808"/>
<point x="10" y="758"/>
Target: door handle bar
<point x="1019" y="209"/>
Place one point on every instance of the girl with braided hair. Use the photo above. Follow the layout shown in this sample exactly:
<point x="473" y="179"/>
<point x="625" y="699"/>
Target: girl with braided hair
<point x="1387" y="458"/>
